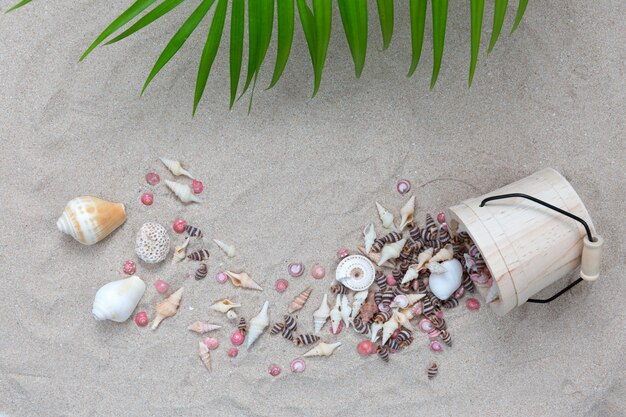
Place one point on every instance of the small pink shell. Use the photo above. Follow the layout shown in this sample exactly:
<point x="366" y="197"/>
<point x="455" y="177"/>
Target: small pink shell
<point x="197" y="186"/>
<point x="416" y="310"/>
<point x="403" y="186"/>
<point x="391" y="280"/>
<point x="232" y="352"/>
<point x="472" y="304"/>
<point x="342" y="253"/>
<point x="365" y="347"/>
<point x="147" y="199"/>
<point x="436" y="346"/>
<point x="153" y="178"/>
<point x="281" y="285"/>
<point x="274" y="370"/>
<point x="298" y="365"/>
<point x="426" y="326"/>
<point x="459" y="293"/>
<point x="142" y="319"/>
<point x="179" y="225"/>
<point x="295" y="269"/>
<point x="211" y="343"/>
<point x="221" y="277"/>
<point x="439" y="314"/>
<point x="161" y="286"/>
<point x="383" y="307"/>
<point x="129" y="267"/>
<point x="236" y="338"/>
<point x="434" y="334"/>
<point x="441" y="217"/>
<point x="318" y="271"/>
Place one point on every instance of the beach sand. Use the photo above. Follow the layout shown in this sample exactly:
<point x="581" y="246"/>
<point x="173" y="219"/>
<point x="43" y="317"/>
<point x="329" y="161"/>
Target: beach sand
<point x="295" y="180"/>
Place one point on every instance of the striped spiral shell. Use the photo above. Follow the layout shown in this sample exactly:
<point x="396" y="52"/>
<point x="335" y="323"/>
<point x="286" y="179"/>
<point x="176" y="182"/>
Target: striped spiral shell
<point x="451" y="303"/>
<point x="383" y="316"/>
<point x="397" y="274"/>
<point x="338" y="289"/>
<point x="277" y="328"/>
<point x="416" y="234"/>
<point x="467" y="283"/>
<point x="388" y="238"/>
<point x="199" y="255"/>
<point x="403" y="335"/>
<point x="242" y="326"/>
<point x="378" y="297"/>
<point x="443" y="235"/>
<point x="432" y="370"/>
<point x="383" y="353"/>
<point x="480" y="264"/>
<point x="288" y="334"/>
<point x="446" y="338"/>
<point x="193" y="231"/>
<point x="381" y="280"/>
<point x="464" y="237"/>
<point x="290" y="322"/>
<point x="306" y="339"/>
<point x="361" y="327"/>
<point x="430" y="223"/>
<point x="428" y="306"/>
<point x="393" y="344"/>
<point x="201" y="272"/>
<point x="406" y="343"/>
<point x="439" y="323"/>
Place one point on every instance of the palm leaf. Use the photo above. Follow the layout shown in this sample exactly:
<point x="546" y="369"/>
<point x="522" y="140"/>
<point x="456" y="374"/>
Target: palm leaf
<point x="477" y="8"/>
<point x="18" y="5"/>
<point x="179" y="38"/>
<point x="521" y="8"/>
<point x="499" y="12"/>
<point x="322" y="16"/>
<point x="210" y="50"/>
<point x="154" y="14"/>
<point x="417" y="10"/>
<point x="354" y="18"/>
<point x="385" y="15"/>
<point x="285" y="12"/>
<point x="236" y="46"/>
<point x="128" y="15"/>
<point x="440" y="17"/>
<point x="254" y="21"/>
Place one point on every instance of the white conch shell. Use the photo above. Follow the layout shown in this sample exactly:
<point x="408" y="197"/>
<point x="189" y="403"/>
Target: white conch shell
<point x="386" y="217"/>
<point x="445" y="284"/>
<point x="335" y="315"/>
<point x="322" y="349"/>
<point x="403" y="317"/>
<point x="321" y="314"/>
<point x="389" y="327"/>
<point x="445" y="254"/>
<point x="411" y="273"/>
<point x="374" y="330"/>
<point x="391" y="251"/>
<point x="356" y="272"/>
<point x="423" y="258"/>
<point x="90" y="219"/>
<point x="205" y="356"/>
<point x="243" y="280"/>
<point x="175" y="167"/>
<point x="369" y="235"/>
<point x="180" y="253"/>
<point x="183" y="192"/>
<point x="375" y="257"/>
<point x="116" y="300"/>
<point x="407" y="212"/>
<point x="229" y="250"/>
<point x="359" y="299"/>
<point x="223" y="306"/>
<point x="258" y="324"/>
<point x="345" y="310"/>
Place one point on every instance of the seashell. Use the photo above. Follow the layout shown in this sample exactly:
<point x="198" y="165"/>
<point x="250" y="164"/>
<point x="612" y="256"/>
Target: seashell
<point x="374" y="329"/>
<point x="152" y="243"/>
<point x="243" y="280"/>
<point x="368" y="309"/>
<point x="342" y="253"/>
<point x="322" y="349"/>
<point x="231" y="315"/>
<point x="223" y="306"/>
<point x="175" y="167"/>
<point x="153" y="178"/>
<point x="388" y="238"/>
<point x="436" y="346"/>
<point x="229" y="250"/>
<point x="338" y="289"/>
<point x="432" y="370"/>
<point x="277" y="328"/>
<point x="345" y="310"/>
<point x="445" y="254"/>
<point x="391" y="251"/>
<point x="335" y="316"/>
<point x="305" y="339"/>
<point x="298" y="366"/>
<point x="359" y="299"/>
<point x="180" y="252"/>
<point x="467" y="283"/>
<point x="202" y="327"/>
<point x="407" y="212"/>
<point x="318" y="271"/>
<point x="242" y="326"/>
<point x="443" y="234"/>
<point x="300" y="300"/>
<point x="193" y="231"/>
<point x="403" y="186"/>
<point x="295" y="269"/>
<point x="403" y="335"/>
<point x="258" y="324"/>
<point x="290" y="322"/>
<point x="414" y="298"/>
<point x="383" y="353"/>
<point x="199" y="255"/>
<point x="281" y="285"/>
<point x="356" y="272"/>
<point x="288" y="334"/>
<point x="406" y="343"/>
<point x="320" y="316"/>
<point x="426" y="326"/>
<point x="439" y="323"/>
<point x="360" y="327"/>
<point x="201" y="272"/>
<point x="403" y="317"/>
<point x="430" y="224"/>
<point x="381" y="280"/>
<point x="492" y="294"/>
<point x="167" y="308"/>
<point x="443" y="285"/>
<point x="393" y="345"/>
<point x="90" y="219"/>
<point x="472" y="304"/>
<point x="369" y="235"/>
<point x="400" y="300"/>
<point x="427" y="306"/>
<point x="436" y="268"/>
<point x="375" y="257"/>
<point x="183" y="192"/>
<point x="205" y="356"/>
<point x="446" y="338"/>
<point x="451" y="303"/>
<point x="385" y="217"/>
<point x="383" y="316"/>
<point x="116" y="300"/>
<point x="211" y="343"/>
<point x="389" y="327"/>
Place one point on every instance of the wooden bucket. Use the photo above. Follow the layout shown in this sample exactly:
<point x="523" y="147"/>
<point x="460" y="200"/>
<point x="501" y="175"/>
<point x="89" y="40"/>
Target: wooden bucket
<point x="527" y="246"/>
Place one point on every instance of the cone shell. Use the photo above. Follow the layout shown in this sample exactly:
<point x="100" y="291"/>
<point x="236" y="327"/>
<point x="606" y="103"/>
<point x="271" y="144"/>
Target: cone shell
<point x="183" y="192"/>
<point x="229" y="250"/>
<point x="300" y="300"/>
<point x="90" y="219"/>
<point x="389" y="327"/>
<point x="167" y="308"/>
<point x="322" y="349"/>
<point x="224" y="305"/>
<point x="391" y="251"/>
<point x="205" y="356"/>
<point x="175" y="167"/>
<point x="407" y="212"/>
<point x="320" y="316"/>
<point x="201" y="327"/>
<point x="258" y="324"/>
<point x="369" y="236"/>
<point x="180" y="252"/>
<point x="116" y="300"/>
<point x="243" y="280"/>
<point x="359" y="299"/>
<point x="386" y="217"/>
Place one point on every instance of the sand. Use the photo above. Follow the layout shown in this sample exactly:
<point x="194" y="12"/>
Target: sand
<point x="296" y="180"/>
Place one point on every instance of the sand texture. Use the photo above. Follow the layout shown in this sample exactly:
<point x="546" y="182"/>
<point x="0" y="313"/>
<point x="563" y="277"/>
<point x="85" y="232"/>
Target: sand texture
<point x="296" y="180"/>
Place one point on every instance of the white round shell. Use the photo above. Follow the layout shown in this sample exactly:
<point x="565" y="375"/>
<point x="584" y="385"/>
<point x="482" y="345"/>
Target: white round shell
<point x="356" y="272"/>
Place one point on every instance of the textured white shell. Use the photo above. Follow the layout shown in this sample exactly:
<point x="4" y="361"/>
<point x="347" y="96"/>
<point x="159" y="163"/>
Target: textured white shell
<point x="356" y="272"/>
<point x="116" y="300"/>
<point x="152" y="243"/>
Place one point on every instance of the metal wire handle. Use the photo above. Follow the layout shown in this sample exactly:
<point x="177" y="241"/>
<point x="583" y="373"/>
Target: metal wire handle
<point x="558" y="210"/>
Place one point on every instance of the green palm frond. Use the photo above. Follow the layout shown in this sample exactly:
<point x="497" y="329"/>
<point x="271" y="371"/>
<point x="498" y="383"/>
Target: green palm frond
<point x="315" y="18"/>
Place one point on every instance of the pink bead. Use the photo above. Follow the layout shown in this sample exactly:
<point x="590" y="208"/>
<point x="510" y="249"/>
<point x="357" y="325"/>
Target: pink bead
<point x="298" y="365"/>
<point x="161" y="286"/>
<point x="395" y="334"/>
<point x="233" y="352"/>
<point x="365" y="347"/>
<point x="342" y="253"/>
<point x="211" y="343"/>
<point x="441" y="217"/>
<point x="391" y="280"/>
<point x="472" y="304"/>
<point x="142" y="319"/>
<point x="179" y="226"/>
<point x="281" y="285"/>
<point x="274" y="370"/>
<point x="236" y="338"/>
<point x="221" y="277"/>
<point x="129" y="267"/>
<point x="147" y="199"/>
<point x="153" y="178"/>
<point x="197" y="186"/>
<point x="318" y="271"/>
<point x="435" y="346"/>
